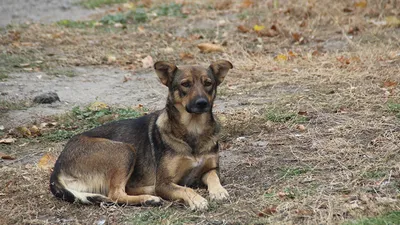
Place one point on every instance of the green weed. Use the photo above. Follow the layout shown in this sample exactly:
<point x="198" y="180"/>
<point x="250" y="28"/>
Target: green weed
<point x="91" y="4"/>
<point x="3" y="76"/>
<point x="160" y="216"/>
<point x="391" y="218"/>
<point x="172" y="9"/>
<point x="76" y="24"/>
<point x="292" y="172"/>
<point x="283" y="117"/>
<point x="394" y="108"/>
<point x="374" y="174"/>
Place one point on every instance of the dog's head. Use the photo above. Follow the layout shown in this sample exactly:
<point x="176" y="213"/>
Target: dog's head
<point x="194" y="87"/>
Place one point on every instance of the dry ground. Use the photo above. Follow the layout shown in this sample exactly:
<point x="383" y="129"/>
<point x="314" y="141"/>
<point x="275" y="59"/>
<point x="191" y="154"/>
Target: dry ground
<point x="311" y="132"/>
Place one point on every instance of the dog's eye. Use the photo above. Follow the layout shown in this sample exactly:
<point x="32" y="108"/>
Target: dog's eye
<point x="207" y="83"/>
<point x="186" y="84"/>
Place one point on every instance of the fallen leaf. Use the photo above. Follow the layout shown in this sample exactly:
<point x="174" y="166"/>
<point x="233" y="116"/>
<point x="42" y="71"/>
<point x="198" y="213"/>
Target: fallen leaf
<point x="247" y="3"/>
<point x="267" y="33"/>
<point x="148" y="62"/>
<point x="390" y="83"/>
<point x="195" y="37"/>
<point x="303" y="23"/>
<point x="301" y="127"/>
<point x="223" y="5"/>
<point x="353" y="30"/>
<point x="341" y="110"/>
<point x="167" y="50"/>
<point x="44" y="125"/>
<point x="24" y="64"/>
<point x="343" y="60"/>
<point x="126" y="79"/>
<point x="303" y="113"/>
<point x="58" y="35"/>
<point x="23" y="131"/>
<point x="208" y="48"/>
<point x="186" y="56"/>
<point x="118" y="25"/>
<point x="24" y="144"/>
<point x="267" y="211"/>
<point x="392" y="21"/>
<point x="360" y="4"/>
<point x="291" y="54"/>
<point x="281" y="58"/>
<point x="281" y="194"/>
<point x="111" y="58"/>
<point x="348" y="10"/>
<point x="96" y="106"/>
<point x="298" y="37"/>
<point x="47" y="161"/>
<point x="34" y="131"/>
<point x="243" y="29"/>
<point x="6" y="157"/>
<point x="258" y="28"/>
<point x="129" y="5"/>
<point x="304" y="212"/>
<point x="141" y="29"/>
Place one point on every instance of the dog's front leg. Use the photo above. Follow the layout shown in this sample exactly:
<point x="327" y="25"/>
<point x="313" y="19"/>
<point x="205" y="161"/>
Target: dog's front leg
<point x="173" y="192"/>
<point x="217" y="192"/>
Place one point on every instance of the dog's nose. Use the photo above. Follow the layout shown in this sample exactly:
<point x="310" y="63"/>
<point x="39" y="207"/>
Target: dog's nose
<point x="201" y="103"/>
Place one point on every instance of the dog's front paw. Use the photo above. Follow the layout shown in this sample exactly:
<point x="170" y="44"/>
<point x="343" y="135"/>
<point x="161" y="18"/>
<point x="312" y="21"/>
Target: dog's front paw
<point x="151" y="201"/>
<point x="198" y="203"/>
<point x="218" y="193"/>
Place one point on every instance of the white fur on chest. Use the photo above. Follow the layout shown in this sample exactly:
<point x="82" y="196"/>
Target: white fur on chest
<point x="195" y="124"/>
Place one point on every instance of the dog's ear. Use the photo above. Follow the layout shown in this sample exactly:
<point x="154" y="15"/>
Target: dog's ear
<point x="220" y="68"/>
<point x="165" y="71"/>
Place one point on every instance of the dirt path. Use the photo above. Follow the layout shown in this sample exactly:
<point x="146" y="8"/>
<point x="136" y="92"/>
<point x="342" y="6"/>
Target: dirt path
<point x="42" y="11"/>
<point x="91" y="84"/>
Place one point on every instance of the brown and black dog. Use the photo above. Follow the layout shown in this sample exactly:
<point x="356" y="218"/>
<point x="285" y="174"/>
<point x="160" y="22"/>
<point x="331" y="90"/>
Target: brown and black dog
<point x="135" y="160"/>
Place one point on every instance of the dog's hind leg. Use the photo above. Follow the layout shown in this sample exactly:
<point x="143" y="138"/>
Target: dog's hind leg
<point x="118" y="192"/>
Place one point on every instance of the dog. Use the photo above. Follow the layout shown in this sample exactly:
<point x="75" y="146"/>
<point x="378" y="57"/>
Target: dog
<point x="157" y="156"/>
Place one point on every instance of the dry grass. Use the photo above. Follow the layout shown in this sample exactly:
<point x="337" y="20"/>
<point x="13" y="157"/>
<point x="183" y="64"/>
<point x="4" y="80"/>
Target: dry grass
<point x="343" y="162"/>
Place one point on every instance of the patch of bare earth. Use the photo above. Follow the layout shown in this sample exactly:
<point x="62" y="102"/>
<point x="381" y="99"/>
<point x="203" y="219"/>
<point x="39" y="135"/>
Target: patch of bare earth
<point x="309" y="137"/>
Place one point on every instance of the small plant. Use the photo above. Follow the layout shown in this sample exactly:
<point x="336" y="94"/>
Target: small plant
<point x="394" y="108"/>
<point x="91" y="4"/>
<point x="3" y="76"/>
<point x="172" y="9"/>
<point x="140" y="15"/>
<point x="390" y="218"/>
<point x="75" y="24"/>
<point x="283" y="117"/>
<point x="292" y="172"/>
<point x="114" y="18"/>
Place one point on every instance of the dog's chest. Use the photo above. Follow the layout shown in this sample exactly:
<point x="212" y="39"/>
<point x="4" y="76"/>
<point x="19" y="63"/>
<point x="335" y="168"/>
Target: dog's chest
<point x="198" y="166"/>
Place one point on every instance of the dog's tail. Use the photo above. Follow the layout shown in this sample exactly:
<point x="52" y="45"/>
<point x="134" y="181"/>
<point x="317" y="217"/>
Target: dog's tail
<point x="59" y="190"/>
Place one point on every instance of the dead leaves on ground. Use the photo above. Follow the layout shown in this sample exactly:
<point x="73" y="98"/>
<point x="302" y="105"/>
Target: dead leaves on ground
<point x="46" y="162"/>
<point x="209" y="48"/>
<point x="6" y="157"/>
<point x="260" y="30"/>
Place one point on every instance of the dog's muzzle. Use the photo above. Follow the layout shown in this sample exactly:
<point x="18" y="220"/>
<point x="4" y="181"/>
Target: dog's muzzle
<point x="198" y="105"/>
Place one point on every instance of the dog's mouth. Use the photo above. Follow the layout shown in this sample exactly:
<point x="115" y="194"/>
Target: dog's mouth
<point x="197" y="110"/>
<point x="198" y="106"/>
